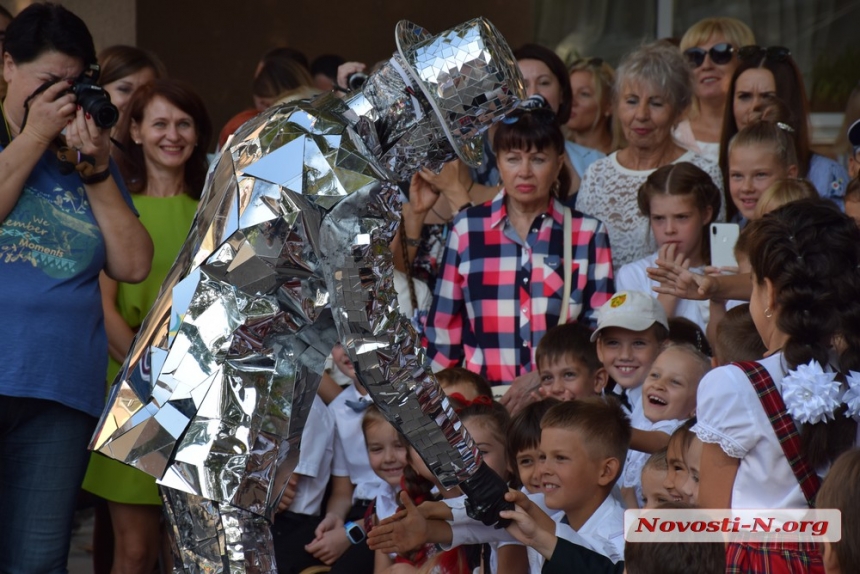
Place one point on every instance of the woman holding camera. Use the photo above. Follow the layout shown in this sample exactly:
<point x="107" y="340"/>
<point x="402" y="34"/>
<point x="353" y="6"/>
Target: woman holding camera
<point x="63" y="219"/>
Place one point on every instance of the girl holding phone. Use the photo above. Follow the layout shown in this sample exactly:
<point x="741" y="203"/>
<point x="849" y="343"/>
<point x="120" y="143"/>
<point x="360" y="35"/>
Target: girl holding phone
<point x="680" y="201"/>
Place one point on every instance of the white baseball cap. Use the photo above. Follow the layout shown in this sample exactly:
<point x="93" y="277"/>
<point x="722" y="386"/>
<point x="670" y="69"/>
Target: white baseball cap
<point x="631" y="310"/>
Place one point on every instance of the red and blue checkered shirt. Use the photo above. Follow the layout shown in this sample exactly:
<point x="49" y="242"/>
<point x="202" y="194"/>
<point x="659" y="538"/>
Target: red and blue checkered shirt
<point x="496" y="295"/>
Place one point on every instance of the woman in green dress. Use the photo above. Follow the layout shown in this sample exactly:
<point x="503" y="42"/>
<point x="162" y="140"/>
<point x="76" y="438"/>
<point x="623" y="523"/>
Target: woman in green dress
<point x="167" y="134"/>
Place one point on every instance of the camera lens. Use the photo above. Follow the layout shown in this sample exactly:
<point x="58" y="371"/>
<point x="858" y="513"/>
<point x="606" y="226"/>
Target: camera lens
<point x="96" y="102"/>
<point x="356" y="80"/>
<point x="105" y="114"/>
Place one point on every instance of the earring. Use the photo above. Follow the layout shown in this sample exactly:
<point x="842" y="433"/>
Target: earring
<point x="137" y="142"/>
<point x="768" y="313"/>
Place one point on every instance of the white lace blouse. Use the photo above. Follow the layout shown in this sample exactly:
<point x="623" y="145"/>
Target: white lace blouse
<point x="608" y="192"/>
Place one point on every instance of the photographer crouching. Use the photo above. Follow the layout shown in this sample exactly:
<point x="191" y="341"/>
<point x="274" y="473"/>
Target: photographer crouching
<point x="65" y="216"/>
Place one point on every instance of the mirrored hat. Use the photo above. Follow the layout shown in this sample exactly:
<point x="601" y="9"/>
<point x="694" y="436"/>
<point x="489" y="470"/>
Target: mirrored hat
<point x="469" y="76"/>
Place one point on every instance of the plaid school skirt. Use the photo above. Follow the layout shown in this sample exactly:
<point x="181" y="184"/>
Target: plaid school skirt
<point x="774" y="558"/>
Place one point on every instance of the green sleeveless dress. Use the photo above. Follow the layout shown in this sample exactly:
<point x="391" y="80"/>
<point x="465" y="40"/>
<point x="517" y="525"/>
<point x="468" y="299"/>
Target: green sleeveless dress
<point x="167" y="219"/>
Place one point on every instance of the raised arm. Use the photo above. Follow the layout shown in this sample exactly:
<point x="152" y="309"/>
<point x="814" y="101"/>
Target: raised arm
<point x="49" y="113"/>
<point x="127" y="243"/>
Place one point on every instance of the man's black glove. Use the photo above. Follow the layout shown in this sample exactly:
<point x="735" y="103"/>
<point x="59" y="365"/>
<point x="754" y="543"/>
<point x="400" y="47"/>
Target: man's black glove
<point x="485" y="497"/>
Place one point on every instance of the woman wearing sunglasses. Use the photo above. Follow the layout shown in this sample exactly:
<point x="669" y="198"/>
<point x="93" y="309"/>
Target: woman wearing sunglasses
<point x="652" y="91"/>
<point x="765" y="74"/>
<point x="710" y="46"/>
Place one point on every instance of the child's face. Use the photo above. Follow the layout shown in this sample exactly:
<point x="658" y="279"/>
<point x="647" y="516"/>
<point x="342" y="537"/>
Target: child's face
<point x="752" y="169"/>
<point x="568" y="379"/>
<point x="386" y="452"/>
<point x="342" y="362"/>
<point x="669" y="392"/>
<point x="627" y="355"/>
<point x="677" y="473"/>
<point x="653" y="492"/>
<point x="676" y="219"/>
<point x="693" y="459"/>
<point x="570" y="476"/>
<point x="527" y="468"/>
<point x="491" y="448"/>
<point x="852" y="210"/>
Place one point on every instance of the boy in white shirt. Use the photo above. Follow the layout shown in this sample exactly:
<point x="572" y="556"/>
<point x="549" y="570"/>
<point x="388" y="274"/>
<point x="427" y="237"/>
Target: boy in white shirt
<point x="298" y="512"/>
<point x="583" y="447"/>
<point x="340" y="535"/>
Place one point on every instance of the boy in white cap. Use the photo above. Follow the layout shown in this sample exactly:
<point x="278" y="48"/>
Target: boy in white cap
<point x="631" y="330"/>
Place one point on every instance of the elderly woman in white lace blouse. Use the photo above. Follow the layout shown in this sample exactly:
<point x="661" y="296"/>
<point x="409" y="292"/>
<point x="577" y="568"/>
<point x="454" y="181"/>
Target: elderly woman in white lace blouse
<point x="652" y="90"/>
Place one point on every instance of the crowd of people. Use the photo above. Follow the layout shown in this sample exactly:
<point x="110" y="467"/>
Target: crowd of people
<point x="572" y="268"/>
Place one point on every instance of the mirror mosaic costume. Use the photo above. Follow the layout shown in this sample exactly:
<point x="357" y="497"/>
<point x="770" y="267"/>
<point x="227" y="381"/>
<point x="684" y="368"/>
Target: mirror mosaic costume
<point x="288" y="254"/>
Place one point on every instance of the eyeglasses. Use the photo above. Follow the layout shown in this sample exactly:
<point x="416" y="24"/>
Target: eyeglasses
<point x="720" y="54"/>
<point x="773" y="53"/>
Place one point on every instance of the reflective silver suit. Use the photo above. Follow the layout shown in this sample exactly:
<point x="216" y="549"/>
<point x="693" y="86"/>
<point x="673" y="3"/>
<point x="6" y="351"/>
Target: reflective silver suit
<point x="287" y="255"/>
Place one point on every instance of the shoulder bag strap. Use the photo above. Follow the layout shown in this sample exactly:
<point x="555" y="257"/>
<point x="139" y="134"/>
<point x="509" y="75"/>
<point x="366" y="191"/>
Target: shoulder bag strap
<point x="784" y="427"/>
<point x="568" y="266"/>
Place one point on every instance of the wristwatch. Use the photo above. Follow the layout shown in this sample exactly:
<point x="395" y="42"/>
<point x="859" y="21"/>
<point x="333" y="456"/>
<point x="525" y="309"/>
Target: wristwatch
<point x="354" y="532"/>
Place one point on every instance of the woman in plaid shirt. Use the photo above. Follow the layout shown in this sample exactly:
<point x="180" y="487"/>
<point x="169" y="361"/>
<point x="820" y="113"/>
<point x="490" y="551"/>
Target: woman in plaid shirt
<point x="502" y="280"/>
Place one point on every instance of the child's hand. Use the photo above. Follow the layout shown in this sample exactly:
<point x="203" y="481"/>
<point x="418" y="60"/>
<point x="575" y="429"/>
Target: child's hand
<point x="669" y="252"/>
<point x="402" y="533"/>
<point x="522" y="392"/>
<point x="680" y="282"/>
<point x="330" y="542"/>
<point x="330" y="522"/>
<point x="433" y="510"/>
<point x="531" y="525"/>
<point x="289" y="493"/>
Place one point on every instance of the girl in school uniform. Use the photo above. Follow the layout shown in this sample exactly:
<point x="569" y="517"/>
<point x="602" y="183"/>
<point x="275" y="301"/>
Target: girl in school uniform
<point x="805" y="260"/>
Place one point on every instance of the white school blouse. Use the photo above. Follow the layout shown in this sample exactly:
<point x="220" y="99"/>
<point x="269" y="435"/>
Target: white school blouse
<point x="730" y="415"/>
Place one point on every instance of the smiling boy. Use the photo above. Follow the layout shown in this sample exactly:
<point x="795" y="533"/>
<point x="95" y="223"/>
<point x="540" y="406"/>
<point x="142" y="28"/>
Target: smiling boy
<point x="568" y="365"/>
<point x="631" y="328"/>
<point x="583" y="448"/>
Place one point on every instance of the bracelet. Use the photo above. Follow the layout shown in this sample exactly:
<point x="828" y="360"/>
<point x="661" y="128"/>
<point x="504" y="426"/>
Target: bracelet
<point x="471" y="185"/>
<point x="96" y="177"/>
<point x="465" y="206"/>
<point x="413" y="242"/>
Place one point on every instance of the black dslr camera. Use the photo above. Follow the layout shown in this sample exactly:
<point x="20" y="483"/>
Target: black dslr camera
<point x="93" y="99"/>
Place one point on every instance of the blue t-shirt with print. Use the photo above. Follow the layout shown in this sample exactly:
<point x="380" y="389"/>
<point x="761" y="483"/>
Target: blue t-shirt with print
<point x="52" y="327"/>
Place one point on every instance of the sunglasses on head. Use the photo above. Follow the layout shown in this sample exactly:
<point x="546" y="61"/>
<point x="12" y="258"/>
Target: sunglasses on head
<point x="535" y="105"/>
<point x="720" y="54"/>
<point x="590" y="62"/>
<point x="773" y="53"/>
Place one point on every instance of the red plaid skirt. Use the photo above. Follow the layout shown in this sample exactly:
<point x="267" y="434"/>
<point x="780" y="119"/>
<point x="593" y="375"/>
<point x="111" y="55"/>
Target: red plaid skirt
<point x="772" y="558"/>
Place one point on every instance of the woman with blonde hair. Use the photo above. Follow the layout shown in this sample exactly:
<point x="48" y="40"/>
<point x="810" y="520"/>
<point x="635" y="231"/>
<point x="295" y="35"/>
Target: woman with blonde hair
<point x="590" y="122"/>
<point x="782" y="192"/>
<point x="710" y="46"/>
